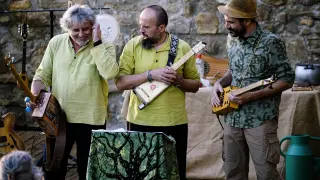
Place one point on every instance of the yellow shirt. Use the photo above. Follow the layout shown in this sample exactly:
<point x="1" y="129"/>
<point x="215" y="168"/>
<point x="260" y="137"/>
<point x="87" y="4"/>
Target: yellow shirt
<point x="168" y="109"/>
<point x="78" y="80"/>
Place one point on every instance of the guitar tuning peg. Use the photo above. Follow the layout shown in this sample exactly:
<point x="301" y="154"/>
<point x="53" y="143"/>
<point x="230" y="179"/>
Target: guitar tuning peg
<point x="19" y="28"/>
<point x="13" y="59"/>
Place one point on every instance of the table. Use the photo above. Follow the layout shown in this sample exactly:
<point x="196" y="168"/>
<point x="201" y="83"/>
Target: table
<point x="299" y="114"/>
<point x="131" y="155"/>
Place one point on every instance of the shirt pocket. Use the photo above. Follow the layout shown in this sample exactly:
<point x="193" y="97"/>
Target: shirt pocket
<point x="258" y="66"/>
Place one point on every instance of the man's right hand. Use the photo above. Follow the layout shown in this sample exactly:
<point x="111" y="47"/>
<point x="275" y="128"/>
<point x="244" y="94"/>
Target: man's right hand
<point x="166" y="75"/>
<point x="215" y="100"/>
<point x="36" y="87"/>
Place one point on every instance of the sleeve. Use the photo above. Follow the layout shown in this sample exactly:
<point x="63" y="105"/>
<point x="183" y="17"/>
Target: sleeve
<point x="44" y="71"/>
<point x="279" y="62"/>
<point x="190" y="70"/>
<point x="104" y="56"/>
<point x="127" y="61"/>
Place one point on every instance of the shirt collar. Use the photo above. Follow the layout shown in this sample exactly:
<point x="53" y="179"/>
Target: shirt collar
<point x="255" y="36"/>
<point x="166" y="44"/>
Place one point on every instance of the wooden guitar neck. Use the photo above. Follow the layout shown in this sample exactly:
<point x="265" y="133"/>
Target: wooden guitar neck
<point x="182" y="60"/>
<point x="248" y="88"/>
<point x="19" y="79"/>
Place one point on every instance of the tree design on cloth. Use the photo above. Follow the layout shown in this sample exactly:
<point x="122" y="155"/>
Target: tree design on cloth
<point x="132" y="156"/>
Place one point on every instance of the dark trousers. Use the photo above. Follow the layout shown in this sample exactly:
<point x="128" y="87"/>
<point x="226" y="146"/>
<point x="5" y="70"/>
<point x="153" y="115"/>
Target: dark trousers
<point x="81" y="134"/>
<point x="179" y="133"/>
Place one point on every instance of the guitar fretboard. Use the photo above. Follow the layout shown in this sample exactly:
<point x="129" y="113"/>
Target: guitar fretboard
<point x="182" y="60"/>
<point x="24" y="56"/>
<point x="248" y="88"/>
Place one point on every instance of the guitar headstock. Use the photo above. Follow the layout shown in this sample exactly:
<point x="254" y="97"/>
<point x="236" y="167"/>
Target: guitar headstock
<point x="199" y="47"/>
<point x="9" y="60"/>
<point x="23" y="30"/>
<point x="270" y="80"/>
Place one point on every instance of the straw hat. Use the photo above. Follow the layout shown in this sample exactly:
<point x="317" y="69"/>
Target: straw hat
<point x="240" y="9"/>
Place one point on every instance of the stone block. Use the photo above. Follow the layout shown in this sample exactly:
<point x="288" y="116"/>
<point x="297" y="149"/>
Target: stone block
<point x="308" y="22"/>
<point x="18" y="5"/>
<point x="207" y="23"/>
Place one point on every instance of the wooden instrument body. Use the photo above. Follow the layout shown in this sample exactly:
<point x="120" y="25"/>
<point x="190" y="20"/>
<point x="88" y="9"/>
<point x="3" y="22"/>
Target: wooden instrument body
<point x="226" y="106"/>
<point x="9" y="139"/>
<point x="148" y="91"/>
<point x="45" y="113"/>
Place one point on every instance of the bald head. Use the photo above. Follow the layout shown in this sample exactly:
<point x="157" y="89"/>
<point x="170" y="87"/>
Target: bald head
<point x="153" y="21"/>
<point x="148" y="15"/>
<point x="159" y="13"/>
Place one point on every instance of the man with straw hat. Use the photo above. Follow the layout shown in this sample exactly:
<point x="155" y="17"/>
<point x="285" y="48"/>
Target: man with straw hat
<point x="254" y="54"/>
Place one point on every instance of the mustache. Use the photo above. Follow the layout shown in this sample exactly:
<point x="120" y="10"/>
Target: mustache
<point x="231" y="30"/>
<point x="144" y="35"/>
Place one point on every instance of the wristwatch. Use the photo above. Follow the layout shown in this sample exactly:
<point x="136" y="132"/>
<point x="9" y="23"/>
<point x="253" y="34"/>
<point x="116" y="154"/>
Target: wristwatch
<point x="97" y="43"/>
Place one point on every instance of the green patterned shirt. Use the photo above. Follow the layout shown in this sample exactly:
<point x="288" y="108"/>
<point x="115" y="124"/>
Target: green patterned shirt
<point x="258" y="57"/>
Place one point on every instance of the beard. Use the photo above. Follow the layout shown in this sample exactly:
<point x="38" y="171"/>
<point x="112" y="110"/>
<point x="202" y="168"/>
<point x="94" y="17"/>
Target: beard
<point x="148" y="42"/>
<point x="81" y="43"/>
<point x="237" y="32"/>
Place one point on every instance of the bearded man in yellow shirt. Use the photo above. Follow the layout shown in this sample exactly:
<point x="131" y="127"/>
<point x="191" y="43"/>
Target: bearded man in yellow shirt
<point x="76" y="65"/>
<point x="143" y="59"/>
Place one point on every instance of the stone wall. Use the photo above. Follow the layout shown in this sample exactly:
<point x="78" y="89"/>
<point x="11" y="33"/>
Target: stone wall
<point x="295" y="21"/>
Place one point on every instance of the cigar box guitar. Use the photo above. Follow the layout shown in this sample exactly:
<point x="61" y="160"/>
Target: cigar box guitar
<point x="148" y="91"/>
<point x="227" y="106"/>
<point x="50" y="118"/>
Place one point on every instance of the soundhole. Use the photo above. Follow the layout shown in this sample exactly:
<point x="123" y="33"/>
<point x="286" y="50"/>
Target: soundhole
<point x="3" y="139"/>
<point x="206" y="67"/>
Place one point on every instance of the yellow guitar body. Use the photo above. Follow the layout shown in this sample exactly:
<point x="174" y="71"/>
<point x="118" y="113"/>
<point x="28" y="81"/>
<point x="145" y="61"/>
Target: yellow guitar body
<point x="9" y="140"/>
<point x="226" y="106"/>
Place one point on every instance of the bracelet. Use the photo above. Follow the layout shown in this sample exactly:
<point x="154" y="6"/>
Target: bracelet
<point x="149" y="76"/>
<point x="177" y="83"/>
